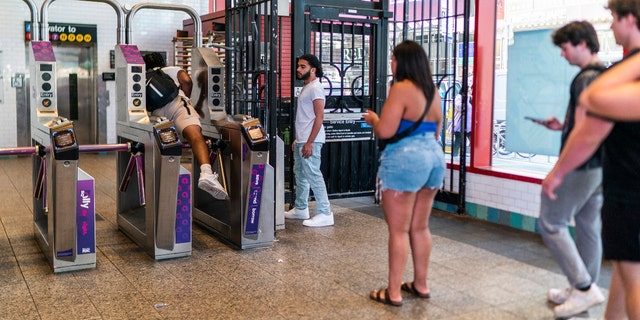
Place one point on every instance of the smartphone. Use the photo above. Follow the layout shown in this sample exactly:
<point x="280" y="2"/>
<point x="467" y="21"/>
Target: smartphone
<point x="537" y="120"/>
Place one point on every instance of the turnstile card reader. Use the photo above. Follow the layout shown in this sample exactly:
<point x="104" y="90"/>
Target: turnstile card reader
<point x="246" y="218"/>
<point x="64" y="211"/>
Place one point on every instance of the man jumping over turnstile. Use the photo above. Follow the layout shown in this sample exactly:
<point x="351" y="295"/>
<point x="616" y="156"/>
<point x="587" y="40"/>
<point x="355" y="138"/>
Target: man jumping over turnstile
<point x="187" y="122"/>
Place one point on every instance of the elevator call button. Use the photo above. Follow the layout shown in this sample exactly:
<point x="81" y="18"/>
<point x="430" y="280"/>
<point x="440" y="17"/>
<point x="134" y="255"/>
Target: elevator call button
<point x="137" y="102"/>
<point x="46" y="103"/>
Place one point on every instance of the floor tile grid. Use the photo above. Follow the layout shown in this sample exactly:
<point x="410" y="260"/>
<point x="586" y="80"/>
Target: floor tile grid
<point x="323" y="273"/>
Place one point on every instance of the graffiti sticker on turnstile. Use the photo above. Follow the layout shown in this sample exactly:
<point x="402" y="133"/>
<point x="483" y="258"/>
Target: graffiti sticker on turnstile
<point x="255" y="195"/>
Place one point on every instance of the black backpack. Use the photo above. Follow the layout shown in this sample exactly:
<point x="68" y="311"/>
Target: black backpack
<point x="161" y="89"/>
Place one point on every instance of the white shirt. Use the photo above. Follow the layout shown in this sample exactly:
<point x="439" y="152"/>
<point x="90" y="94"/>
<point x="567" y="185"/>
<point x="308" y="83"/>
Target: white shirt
<point x="172" y="71"/>
<point x="305" y="115"/>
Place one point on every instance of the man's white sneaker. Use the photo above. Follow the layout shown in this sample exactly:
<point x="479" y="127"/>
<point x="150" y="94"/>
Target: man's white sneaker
<point x="209" y="183"/>
<point x="558" y="296"/>
<point x="579" y="301"/>
<point x="319" y="220"/>
<point x="298" y="214"/>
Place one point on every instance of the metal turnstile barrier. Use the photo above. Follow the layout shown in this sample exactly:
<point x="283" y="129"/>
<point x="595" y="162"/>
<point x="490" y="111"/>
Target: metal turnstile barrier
<point x="154" y="197"/>
<point x="246" y="218"/>
<point x="63" y="203"/>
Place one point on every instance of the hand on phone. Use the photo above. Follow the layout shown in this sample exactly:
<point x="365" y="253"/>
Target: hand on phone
<point x="536" y="120"/>
<point x="550" y="123"/>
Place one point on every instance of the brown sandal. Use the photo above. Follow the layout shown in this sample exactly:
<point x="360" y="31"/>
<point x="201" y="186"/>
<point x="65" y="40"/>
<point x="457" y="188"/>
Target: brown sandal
<point x="408" y="287"/>
<point x="375" y="295"/>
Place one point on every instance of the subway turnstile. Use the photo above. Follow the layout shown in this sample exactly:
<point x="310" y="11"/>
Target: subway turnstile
<point x="154" y="197"/>
<point x="246" y="218"/>
<point x="63" y="205"/>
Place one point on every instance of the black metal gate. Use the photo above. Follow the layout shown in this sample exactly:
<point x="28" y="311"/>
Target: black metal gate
<point x="251" y="61"/>
<point x="353" y="40"/>
<point x="442" y="28"/>
<point x="349" y="38"/>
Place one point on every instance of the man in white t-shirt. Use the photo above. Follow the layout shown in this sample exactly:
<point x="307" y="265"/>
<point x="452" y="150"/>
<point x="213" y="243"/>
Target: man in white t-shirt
<point x="187" y="122"/>
<point x="307" y="147"/>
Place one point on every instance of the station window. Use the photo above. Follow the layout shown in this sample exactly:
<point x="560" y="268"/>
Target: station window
<point x="531" y="78"/>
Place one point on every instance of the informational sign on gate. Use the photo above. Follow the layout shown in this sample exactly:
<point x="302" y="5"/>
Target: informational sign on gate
<point x="67" y="32"/>
<point x="346" y="127"/>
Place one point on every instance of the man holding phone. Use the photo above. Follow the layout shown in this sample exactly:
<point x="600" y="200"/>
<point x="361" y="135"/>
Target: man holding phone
<point x="580" y="195"/>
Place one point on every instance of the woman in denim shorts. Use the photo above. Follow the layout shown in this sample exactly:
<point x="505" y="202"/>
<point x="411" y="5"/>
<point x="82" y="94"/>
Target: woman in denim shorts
<point x="411" y="170"/>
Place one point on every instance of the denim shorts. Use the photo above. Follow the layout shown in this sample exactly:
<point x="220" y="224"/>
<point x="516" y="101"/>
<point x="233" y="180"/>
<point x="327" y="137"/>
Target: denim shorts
<point x="411" y="164"/>
<point x="181" y="112"/>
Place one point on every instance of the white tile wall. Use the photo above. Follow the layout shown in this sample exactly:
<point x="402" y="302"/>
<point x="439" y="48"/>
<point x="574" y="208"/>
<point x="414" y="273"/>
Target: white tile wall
<point x="152" y="30"/>
<point x="500" y="193"/>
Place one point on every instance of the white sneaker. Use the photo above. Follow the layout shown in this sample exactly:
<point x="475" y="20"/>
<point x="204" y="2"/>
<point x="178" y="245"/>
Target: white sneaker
<point x="297" y="214"/>
<point x="319" y="220"/>
<point x="558" y="296"/>
<point x="579" y="301"/>
<point x="209" y="183"/>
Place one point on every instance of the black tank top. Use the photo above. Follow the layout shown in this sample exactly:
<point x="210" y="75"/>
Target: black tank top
<point x="621" y="167"/>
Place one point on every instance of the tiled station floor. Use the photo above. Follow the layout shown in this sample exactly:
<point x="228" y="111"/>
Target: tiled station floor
<point x="478" y="270"/>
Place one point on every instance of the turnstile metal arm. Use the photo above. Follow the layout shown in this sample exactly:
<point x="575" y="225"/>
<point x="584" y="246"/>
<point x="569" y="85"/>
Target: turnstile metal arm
<point x="40" y="186"/>
<point x="135" y="161"/>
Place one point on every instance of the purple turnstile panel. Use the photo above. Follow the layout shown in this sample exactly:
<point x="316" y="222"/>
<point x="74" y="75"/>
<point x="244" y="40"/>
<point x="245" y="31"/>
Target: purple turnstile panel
<point x="255" y="197"/>
<point x="131" y="54"/>
<point x="85" y="217"/>
<point x="43" y="51"/>
<point x="183" y="210"/>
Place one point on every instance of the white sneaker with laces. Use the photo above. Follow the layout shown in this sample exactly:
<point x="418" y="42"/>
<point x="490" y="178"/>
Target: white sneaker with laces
<point x="209" y="183"/>
<point x="558" y="296"/>
<point x="579" y="301"/>
<point x="297" y="214"/>
<point x="319" y="220"/>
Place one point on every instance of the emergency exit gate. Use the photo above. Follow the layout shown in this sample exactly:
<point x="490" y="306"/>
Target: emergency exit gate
<point x="353" y="40"/>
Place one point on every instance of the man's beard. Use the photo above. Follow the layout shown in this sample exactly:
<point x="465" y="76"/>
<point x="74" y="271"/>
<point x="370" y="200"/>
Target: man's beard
<point x="304" y="76"/>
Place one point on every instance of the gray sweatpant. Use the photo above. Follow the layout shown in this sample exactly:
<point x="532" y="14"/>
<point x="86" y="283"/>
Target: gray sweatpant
<point x="579" y="198"/>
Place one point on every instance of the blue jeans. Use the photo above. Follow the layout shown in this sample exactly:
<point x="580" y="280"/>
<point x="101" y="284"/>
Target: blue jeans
<point x="580" y="198"/>
<point x="308" y="176"/>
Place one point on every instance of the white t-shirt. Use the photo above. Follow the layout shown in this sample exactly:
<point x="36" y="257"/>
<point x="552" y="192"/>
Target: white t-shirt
<point x="172" y="71"/>
<point x="305" y="114"/>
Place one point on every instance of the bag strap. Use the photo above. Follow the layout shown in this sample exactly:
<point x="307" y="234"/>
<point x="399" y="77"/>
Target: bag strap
<point x="398" y="136"/>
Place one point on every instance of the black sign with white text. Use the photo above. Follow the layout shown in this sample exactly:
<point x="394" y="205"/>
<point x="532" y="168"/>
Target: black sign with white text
<point x="346" y="127"/>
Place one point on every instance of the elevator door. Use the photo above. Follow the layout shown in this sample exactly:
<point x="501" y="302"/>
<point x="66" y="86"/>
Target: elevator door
<point x="77" y="99"/>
